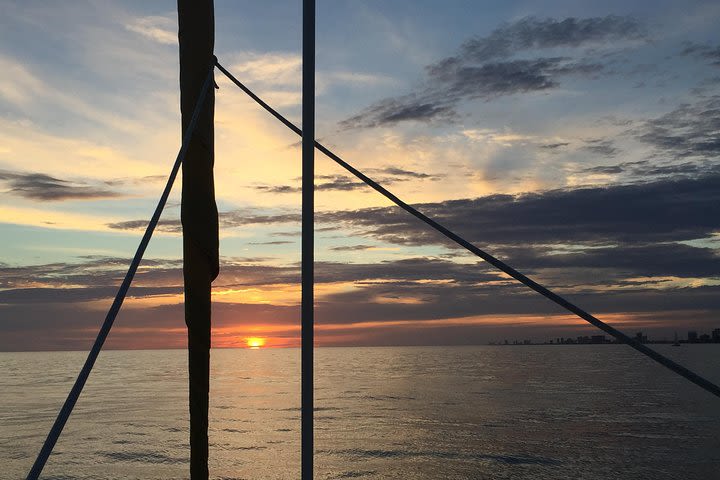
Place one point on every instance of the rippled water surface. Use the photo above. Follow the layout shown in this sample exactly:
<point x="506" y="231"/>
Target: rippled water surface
<point x="537" y="412"/>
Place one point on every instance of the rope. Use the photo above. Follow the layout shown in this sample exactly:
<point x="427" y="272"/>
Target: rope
<point x="497" y="263"/>
<point x="74" y="394"/>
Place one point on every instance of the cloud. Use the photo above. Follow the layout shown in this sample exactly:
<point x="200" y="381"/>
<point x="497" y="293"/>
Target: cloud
<point x="601" y="146"/>
<point x="604" y="169"/>
<point x="674" y="170"/>
<point x="277" y="188"/>
<point x="554" y="146"/>
<point x="278" y="77"/>
<point x="76" y="295"/>
<point x="394" y="110"/>
<point x="88" y="271"/>
<point x="147" y="179"/>
<point x="504" y="78"/>
<point x="448" y="302"/>
<point x="272" y="69"/>
<point x="707" y="52"/>
<point x="643" y="170"/>
<point x="38" y="186"/>
<point x="343" y="183"/>
<point x="327" y="78"/>
<point x="159" y="29"/>
<point x="338" y="183"/>
<point x="273" y="242"/>
<point x="691" y="130"/>
<point x="483" y="68"/>
<point x="346" y="183"/>
<point x="18" y="85"/>
<point x="398" y="173"/>
<point x="622" y="261"/>
<point x="505" y="137"/>
<point x="230" y="219"/>
<point x="452" y="84"/>
<point x="32" y="95"/>
<point x="533" y="33"/>
<point x="351" y="248"/>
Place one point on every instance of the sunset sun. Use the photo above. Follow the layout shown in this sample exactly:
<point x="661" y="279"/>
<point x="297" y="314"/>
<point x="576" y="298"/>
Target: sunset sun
<point x="255" y="342"/>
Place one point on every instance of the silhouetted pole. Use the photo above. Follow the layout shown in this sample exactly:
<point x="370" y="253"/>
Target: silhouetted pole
<point x="199" y="216"/>
<point x="308" y="241"/>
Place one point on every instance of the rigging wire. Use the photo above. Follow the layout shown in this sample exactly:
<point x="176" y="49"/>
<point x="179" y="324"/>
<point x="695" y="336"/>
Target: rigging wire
<point x="74" y="394"/>
<point x="497" y="263"/>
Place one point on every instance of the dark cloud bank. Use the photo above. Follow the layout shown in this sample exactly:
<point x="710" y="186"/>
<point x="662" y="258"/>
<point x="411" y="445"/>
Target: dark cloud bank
<point x="662" y="211"/>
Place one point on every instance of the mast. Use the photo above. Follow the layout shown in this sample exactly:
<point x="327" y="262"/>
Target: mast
<point x="199" y="216"/>
<point x="308" y="240"/>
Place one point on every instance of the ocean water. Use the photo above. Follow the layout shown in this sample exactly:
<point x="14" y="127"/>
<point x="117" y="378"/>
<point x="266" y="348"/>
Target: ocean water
<point x="482" y="412"/>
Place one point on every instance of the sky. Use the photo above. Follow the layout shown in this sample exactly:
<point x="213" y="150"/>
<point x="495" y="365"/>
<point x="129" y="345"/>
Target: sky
<point x="576" y="140"/>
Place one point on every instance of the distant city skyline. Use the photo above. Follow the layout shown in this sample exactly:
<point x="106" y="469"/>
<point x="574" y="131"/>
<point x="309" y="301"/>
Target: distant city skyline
<point x="577" y="141"/>
<point x="642" y="337"/>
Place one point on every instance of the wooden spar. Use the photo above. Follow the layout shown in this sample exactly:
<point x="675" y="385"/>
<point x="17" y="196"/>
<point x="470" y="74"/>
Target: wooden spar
<point x="196" y="34"/>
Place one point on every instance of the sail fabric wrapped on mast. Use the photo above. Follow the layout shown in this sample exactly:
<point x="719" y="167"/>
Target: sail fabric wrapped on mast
<point x="199" y="217"/>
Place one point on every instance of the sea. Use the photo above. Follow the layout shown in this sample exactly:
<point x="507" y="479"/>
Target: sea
<point x="471" y="412"/>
